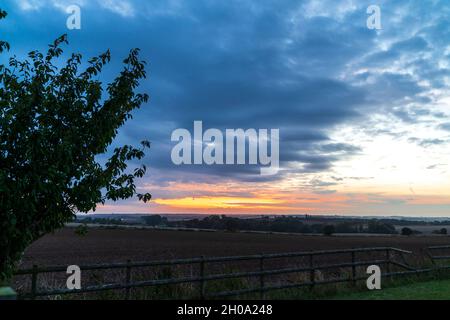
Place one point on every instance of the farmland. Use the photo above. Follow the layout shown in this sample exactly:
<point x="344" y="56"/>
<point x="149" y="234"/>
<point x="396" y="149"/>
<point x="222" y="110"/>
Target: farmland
<point x="104" y="245"/>
<point x="107" y="245"/>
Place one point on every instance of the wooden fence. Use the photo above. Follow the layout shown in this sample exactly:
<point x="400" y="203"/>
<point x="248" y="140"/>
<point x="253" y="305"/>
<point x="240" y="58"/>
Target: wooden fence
<point x="434" y="258"/>
<point x="261" y="274"/>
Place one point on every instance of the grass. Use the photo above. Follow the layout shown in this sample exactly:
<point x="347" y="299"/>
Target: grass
<point x="431" y="290"/>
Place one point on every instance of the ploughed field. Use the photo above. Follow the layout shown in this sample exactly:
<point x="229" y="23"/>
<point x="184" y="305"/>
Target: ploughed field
<point x="64" y="247"/>
<point x="109" y="245"/>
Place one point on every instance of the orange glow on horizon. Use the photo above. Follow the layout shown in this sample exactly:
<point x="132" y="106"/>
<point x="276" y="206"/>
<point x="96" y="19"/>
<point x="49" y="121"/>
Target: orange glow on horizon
<point x="267" y="198"/>
<point x="219" y="202"/>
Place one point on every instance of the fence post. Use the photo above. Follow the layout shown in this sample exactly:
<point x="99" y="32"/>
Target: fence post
<point x="261" y="277"/>
<point x="388" y="261"/>
<point x="128" y="280"/>
<point x="34" y="275"/>
<point x="429" y="255"/>
<point x="353" y="268"/>
<point x="312" y="272"/>
<point x="202" y="278"/>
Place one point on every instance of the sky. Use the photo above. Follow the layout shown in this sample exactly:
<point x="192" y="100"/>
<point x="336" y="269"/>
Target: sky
<point x="363" y="114"/>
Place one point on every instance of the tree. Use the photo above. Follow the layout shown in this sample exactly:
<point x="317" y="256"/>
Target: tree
<point x="375" y="226"/>
<point x="54" y="122"/>
<point x="407" y="231"/>
<point x="154" y="220"/>
<point x="231" y="224"/>
<point x="328" y="230"/>
<point x="442" y="231"/>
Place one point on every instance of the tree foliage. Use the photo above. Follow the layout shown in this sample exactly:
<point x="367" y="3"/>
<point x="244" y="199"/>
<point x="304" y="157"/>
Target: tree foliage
<point x="329" y="230"/>
<point x="377" y="226"/>
<point x="54" y="122"/>
<point x="154" y="220"/>
<point x="407" y="231"/>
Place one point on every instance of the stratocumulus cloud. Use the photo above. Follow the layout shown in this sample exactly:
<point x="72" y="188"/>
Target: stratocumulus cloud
<point x="348" y="101"/>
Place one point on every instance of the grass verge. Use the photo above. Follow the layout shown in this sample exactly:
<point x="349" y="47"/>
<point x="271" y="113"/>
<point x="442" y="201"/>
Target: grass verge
<point x="431" y="290"/>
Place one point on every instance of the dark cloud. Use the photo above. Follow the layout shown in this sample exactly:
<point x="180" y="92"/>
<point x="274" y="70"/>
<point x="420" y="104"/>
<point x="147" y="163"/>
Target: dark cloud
<point x="340" y="147"/>
<point x="235" y="64"/>
<point x="228" y="65"/>
<point x="427" y="142"/>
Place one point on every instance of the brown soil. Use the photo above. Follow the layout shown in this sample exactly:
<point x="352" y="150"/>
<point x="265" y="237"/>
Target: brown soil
<point x="117" y="245"/>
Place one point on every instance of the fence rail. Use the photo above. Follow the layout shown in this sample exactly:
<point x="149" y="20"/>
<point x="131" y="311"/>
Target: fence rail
<point x="202" y="278"/>
<point x="440" y="257"/>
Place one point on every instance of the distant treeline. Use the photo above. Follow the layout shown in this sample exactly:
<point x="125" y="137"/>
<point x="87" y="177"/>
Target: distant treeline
<point x="90" y="220"/>
<point x="290" y="224"/>
<point x="277" y="224"/>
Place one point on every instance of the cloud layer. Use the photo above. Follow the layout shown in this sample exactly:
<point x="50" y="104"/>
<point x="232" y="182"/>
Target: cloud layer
<point x="334" y="88"/>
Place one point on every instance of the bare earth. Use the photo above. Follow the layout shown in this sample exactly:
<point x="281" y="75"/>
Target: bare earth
<point x="117" y="245"/>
